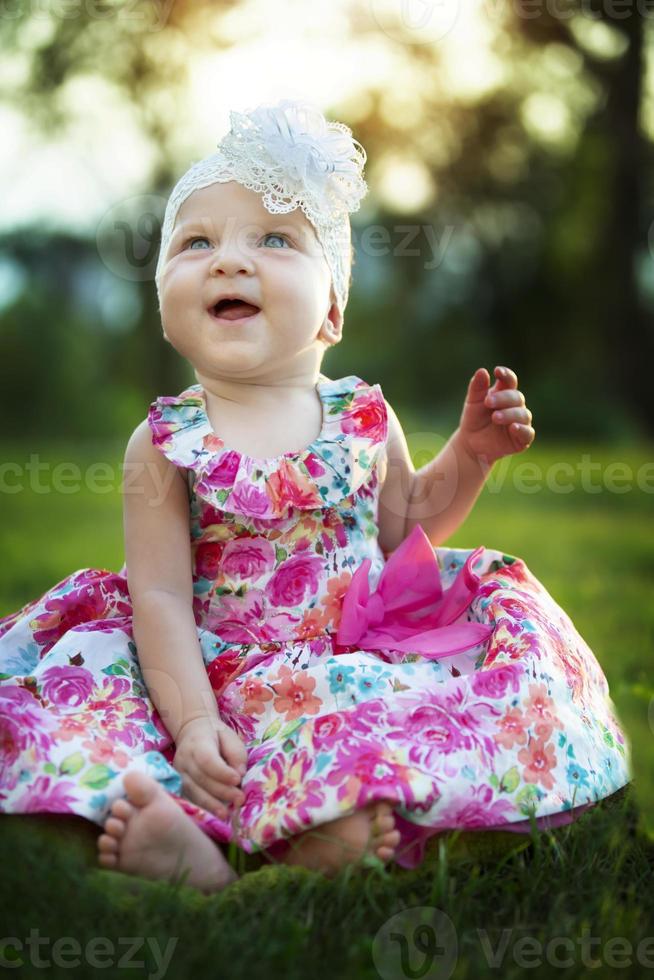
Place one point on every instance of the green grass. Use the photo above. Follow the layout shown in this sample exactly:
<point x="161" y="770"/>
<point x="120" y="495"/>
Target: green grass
<point x="592" y="878"/>
<point x="594" y="553"/>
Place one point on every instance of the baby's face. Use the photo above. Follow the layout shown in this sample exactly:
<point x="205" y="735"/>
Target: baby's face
<point x="225" y="241"/>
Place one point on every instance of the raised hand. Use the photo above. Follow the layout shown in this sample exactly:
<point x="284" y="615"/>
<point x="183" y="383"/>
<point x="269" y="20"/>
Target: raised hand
<point x="211" y="758"/>
<point x="495" y="421"/>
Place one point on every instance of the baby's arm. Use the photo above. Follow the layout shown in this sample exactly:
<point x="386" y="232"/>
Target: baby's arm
<point x="158" y="559"/>
<point x="439" y="496"/>
<point x="160" y="582"/>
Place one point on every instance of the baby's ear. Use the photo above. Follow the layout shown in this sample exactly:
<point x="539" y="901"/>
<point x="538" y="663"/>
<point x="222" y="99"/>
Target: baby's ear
<point x="333" y="326"/>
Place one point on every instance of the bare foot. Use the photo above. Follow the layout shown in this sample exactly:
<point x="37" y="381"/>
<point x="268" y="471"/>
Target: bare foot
<point x="152" y="836"/>
<point x="328" y="847"/>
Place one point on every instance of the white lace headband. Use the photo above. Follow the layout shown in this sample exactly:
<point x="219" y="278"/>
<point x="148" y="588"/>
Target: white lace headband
<point x="293" y="157"/>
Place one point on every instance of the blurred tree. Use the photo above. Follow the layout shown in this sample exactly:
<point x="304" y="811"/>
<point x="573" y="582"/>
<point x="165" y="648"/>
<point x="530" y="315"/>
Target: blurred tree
<point x="545" y="232"/>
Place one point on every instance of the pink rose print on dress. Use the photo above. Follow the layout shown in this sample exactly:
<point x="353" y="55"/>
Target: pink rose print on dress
<point x="496" y="682"/>
<point x="88" y="600"/>
<point x="210" y="517"/>
<point x="246" y="619"/>
<point x="220" y="474"/>
<point x="365" y="772"/>
<point x="24" y="726"/>
<point x="327" y="730"/>
<point x="250" y="499"/>
<point x="366" y="717"/>
<point x="451" y="722"/>
<point x="433" y="727"/>
<point x="295" y="579"/>
<point x="314" y="465"/>
<point x="122" y="623"/>
<point x="70" y="686"/>
<point x="207" y="558"/>
<point x="247" y="558"/>
<point x="51" y="795"/>
<point x="481" y="812"/>
<point x="366" y="417"/>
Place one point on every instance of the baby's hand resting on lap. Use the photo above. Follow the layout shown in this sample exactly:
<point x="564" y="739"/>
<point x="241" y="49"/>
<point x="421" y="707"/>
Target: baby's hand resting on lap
<point x="209" y="755"/>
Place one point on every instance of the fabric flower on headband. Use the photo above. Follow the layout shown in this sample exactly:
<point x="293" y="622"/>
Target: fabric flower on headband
<point x="300" y="156"/>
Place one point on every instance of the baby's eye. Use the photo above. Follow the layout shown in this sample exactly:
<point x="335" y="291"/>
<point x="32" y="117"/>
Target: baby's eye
<point x="274" y="234"/>
<point x="197" y="238"/>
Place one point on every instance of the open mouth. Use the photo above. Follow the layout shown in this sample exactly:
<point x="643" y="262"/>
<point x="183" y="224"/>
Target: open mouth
<point x="233" y="309"/>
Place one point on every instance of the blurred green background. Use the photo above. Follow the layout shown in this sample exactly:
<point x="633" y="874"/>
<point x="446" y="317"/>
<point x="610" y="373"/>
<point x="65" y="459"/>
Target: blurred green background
<point x="509" y="221"/>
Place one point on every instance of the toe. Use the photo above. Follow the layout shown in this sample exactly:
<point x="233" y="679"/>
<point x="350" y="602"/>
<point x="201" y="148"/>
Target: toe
<point x="107" y="844"/>
<point x="140" y="788"/>
<point x="114" y="827"/>
<point x="385" y="853"/>
<point x="122" y="809"/>
<point x="108" y="860"/>
<point x="391" y="839"/>
<point x="384" y="818"/>
<point x="384" y="823"/>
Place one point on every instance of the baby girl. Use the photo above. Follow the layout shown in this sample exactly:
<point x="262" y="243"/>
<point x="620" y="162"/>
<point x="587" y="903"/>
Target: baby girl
<point x="290" y="659"/>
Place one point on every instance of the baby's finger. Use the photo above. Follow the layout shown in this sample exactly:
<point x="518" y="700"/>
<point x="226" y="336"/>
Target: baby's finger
<point x="208" y="759"/>
<point x="232" y="749"/>
<point x="506" y="376"/>
<point x="217" y="787"/>
<point x="223" y="791"/>
<point x="196" y="794"/>
<point x="505" y="398"/>
<point x="525" y="433"/>
<point x="478" y="386"/>
<point x="520" y="414"/>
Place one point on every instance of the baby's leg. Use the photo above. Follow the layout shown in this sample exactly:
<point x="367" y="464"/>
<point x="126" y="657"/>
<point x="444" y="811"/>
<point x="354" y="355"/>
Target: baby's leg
<point x="328" y="847"/>
<point x="152" y="836"/>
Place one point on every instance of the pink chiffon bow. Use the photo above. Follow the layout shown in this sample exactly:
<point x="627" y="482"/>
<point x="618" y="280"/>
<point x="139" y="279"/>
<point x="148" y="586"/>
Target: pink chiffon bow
<point x="409" y="612"/>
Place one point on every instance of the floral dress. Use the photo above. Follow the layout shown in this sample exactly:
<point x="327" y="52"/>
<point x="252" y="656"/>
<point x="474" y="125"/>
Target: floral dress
<point x="446" y="680"/>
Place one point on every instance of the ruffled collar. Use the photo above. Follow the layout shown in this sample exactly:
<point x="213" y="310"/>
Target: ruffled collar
<point x="335" y="465"/>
